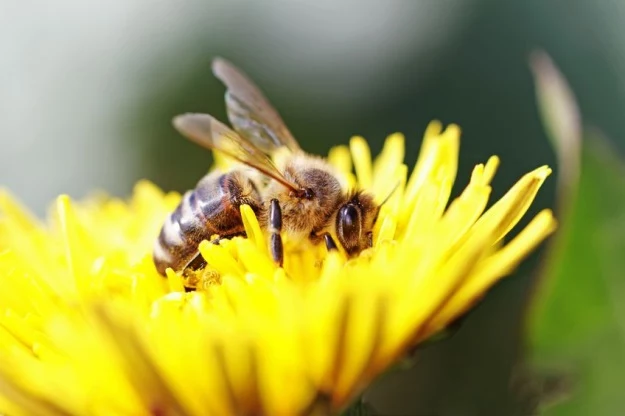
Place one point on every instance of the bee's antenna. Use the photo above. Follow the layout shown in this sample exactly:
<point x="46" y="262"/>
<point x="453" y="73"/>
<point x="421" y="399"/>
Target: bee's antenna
<point x="390" y="194"/>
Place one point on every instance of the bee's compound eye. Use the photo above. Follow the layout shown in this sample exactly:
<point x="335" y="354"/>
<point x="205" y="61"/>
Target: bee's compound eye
<point x="349" y="228"/>
<point x="349" y="221"/>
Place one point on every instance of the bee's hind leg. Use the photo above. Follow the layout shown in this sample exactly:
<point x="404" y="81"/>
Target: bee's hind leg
<point x="275" y="227"/>
<point x="198" y="262"/>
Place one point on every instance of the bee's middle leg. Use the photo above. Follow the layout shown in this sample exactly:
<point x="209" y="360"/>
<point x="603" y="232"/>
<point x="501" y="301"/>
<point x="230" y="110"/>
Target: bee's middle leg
<point x="275" y="227"/>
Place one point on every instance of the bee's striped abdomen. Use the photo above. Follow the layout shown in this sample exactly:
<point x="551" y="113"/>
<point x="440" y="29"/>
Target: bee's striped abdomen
<point x="212" y="208"/>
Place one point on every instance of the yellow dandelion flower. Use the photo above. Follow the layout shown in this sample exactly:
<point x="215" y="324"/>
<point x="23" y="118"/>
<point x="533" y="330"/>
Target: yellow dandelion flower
<point x="88" y="326"/>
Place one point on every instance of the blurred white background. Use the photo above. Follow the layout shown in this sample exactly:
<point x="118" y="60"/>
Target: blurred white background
<point x="71" y="71"/>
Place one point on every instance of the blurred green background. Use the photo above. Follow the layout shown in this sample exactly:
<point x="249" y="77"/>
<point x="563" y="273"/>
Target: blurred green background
<point x="88" y="90"/>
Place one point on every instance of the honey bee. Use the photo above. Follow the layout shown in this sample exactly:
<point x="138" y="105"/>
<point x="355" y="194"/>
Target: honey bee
<point x="303" y="198"/>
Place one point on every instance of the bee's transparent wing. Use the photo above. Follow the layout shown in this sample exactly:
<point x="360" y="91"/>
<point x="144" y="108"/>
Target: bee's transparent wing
<point x="249" y="111"/>
<point x="210" y="133"/>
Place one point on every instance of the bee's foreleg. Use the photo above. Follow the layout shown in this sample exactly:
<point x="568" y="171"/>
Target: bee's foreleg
<point x="275" y="227"/>
<point x="330" y="244"/>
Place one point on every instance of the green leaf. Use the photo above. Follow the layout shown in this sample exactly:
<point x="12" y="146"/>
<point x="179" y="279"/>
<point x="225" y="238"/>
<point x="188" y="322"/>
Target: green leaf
<point x="576" y="324"/>
<point x="561" y="118"/>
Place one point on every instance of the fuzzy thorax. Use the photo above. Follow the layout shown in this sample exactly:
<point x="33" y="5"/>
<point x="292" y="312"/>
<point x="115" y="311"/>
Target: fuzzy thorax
<point x="303" y="216"/>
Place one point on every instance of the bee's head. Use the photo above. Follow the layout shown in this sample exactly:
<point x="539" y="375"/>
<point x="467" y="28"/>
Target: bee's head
<point x="354" y="223"/>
